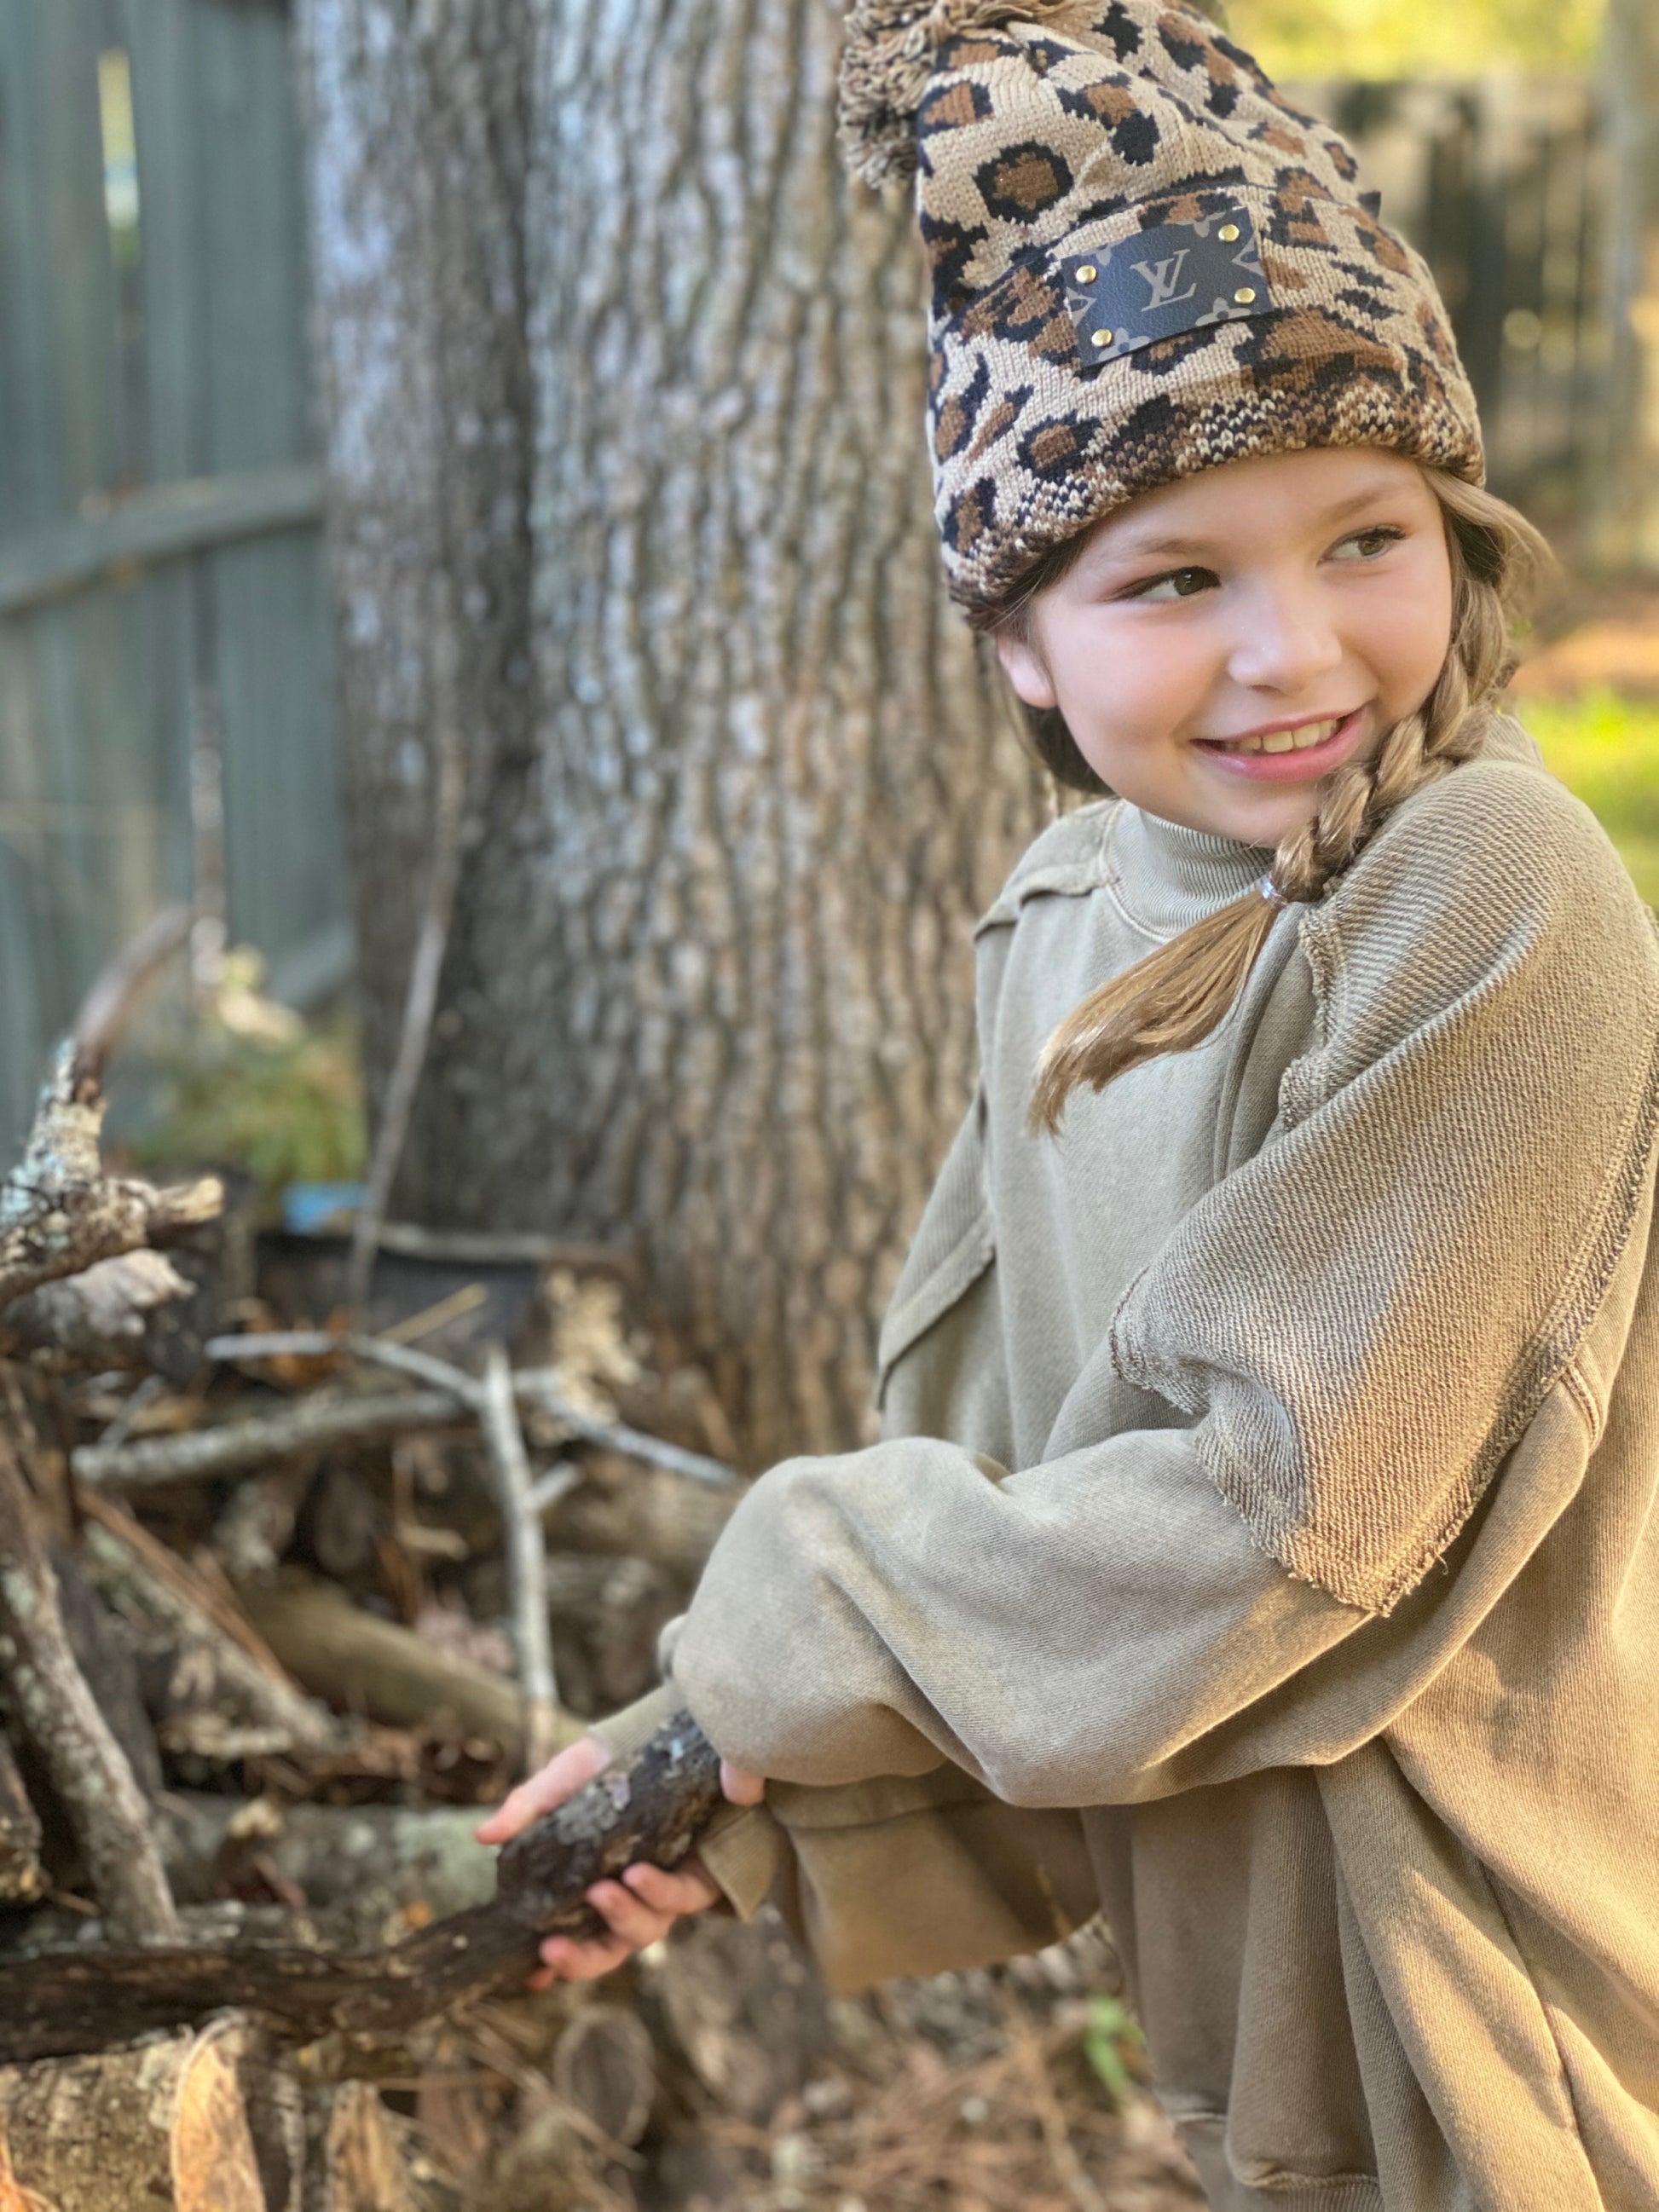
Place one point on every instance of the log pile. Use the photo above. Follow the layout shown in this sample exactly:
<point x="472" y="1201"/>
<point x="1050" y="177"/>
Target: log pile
<point x="283" y="1604"/>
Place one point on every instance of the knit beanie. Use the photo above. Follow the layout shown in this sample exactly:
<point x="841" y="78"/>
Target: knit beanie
<point x="1144" y="263"/>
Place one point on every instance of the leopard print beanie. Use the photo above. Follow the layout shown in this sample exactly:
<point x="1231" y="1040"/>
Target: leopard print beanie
<point x="1144" y="264"/>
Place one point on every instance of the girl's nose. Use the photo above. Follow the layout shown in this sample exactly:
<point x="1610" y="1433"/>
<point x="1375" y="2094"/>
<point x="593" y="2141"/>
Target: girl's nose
<point x="1286" y="641"/>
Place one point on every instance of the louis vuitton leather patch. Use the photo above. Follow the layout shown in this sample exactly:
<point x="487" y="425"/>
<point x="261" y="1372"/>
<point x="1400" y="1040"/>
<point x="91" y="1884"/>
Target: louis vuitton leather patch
<point x="1176" y="277"/>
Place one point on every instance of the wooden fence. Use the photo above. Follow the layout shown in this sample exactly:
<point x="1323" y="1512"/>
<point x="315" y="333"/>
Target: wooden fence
<point x="166" y="721"/>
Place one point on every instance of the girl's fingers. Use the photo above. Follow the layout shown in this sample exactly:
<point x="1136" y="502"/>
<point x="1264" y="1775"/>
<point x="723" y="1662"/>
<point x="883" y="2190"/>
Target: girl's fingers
<point x="741" y="1787"/>
<point x="690" y="1890"/>
<point x="561" y="1778"/>
<point x="564" y="1959"/>
<point x="628" y="1917"/>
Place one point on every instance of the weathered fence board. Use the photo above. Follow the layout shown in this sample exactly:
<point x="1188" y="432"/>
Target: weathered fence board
<point x="160" y="565"/>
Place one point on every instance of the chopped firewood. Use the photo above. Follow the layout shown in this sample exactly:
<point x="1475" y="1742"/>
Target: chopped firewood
<point x="356" y="2162"/>
<point x="194" y="2124"/>
<point x="652" y="1807"/>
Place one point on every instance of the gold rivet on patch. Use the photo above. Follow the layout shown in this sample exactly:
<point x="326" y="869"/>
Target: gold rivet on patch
<point x="1087" y="273"/>
<point x="1244" y="295"/>
<point x="1229" y="231"/>
<point x="1102" y="337"/>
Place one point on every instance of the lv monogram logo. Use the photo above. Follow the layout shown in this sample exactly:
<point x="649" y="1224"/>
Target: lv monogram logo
<point x="1161" y="277"/>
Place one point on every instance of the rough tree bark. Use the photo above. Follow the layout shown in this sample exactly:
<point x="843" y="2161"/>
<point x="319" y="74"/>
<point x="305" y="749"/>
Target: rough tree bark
<point x="709" y="985"/>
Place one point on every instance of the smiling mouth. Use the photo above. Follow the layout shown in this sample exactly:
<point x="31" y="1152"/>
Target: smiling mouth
<point x="1299" y="740"/>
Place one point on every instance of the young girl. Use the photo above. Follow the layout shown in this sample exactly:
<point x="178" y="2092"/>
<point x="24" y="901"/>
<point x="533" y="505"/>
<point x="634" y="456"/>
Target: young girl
<point x="1271" y="1396"/>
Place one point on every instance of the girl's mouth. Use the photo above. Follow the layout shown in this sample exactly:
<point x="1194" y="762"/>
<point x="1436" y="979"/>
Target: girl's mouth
<point x="1298" y="755"/>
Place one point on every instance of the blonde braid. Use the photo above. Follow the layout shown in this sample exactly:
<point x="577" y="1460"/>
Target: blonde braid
<point x="1174" y="999"/>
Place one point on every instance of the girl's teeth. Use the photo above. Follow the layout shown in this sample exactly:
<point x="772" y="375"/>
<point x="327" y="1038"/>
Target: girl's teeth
<point x="1287" y="741"/>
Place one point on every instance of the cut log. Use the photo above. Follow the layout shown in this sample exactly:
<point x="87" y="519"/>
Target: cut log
<point x="375" y="1667"/>
<point x="652" y="1807"/>
<point x="57" y="1717"/>
<point x="356" y="2162"/>
<point x="605" y="2069"/>
<point x="20" y="1878"/>
<point x="188" y="2125"/>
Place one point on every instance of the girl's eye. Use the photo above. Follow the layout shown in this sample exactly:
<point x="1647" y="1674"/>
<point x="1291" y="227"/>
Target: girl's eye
<point x="1366" y="544"/>
<point x="1178" y="584"/>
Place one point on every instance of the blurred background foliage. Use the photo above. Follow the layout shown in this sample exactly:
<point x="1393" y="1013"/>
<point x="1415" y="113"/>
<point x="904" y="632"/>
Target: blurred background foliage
<point x="1383" y="39"/>
<point x="1604" y="745"/>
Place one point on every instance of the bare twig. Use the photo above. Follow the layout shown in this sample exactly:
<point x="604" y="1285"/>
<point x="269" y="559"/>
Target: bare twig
<point x="50" y="1699"/>
<point x="59" y="1211"/>
<point x="536" y="1386"/>
<point x="115" y="992"/>
<point x="527" y="1563"/>
<point x="431" y="943"/>
<point x="544" y="1387"/>
<point x="234" y="1446"/>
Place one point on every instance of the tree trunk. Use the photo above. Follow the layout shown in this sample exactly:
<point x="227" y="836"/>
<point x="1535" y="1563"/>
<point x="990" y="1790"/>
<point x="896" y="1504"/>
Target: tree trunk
<point x="710" y="984"/>
<point x="417" y="133"/>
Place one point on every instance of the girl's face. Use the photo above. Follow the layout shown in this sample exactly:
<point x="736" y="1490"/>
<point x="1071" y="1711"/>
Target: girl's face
<point x="1223" y="643"/>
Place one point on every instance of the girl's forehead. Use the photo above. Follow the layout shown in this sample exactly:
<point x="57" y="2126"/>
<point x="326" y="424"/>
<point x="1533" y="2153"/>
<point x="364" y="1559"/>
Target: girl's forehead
<point x="1308" y="488"/>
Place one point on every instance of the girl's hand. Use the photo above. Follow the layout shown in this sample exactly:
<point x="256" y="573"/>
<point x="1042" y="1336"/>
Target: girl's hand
<point x="640" y="1908"/>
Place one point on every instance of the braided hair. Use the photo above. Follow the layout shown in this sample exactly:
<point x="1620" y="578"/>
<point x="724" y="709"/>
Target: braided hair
<point x="1173" y="998"/>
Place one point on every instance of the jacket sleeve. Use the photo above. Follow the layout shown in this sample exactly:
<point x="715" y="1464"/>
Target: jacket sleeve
<point x="1364" y="1322"/>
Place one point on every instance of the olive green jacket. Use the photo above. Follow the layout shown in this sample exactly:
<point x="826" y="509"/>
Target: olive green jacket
<point x="1268" y="1469"/>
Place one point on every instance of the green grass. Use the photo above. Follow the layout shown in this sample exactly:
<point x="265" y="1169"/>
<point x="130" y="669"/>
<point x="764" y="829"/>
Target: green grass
<point x="1606" y="749"/>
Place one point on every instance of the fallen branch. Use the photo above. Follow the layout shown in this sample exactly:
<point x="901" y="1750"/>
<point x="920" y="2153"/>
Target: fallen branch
<point x="527" y="1561"/>
<point x="654" y="1808"/>
<point x="236" y="1447"/>
<point x="60" y="1212"/>
<point x="55" y="1711"/>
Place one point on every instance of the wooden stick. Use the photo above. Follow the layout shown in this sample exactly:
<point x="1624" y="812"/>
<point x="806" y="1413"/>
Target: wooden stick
<point x="527" y="1562"/>
<point x="232" y="1447"/>
<point x="59" y="1211"/>
<point x="55" y="1709"/>
<point x="654" y="1808"/>
<point x="431" y="943"/>
<point x="109" y="1005"/>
